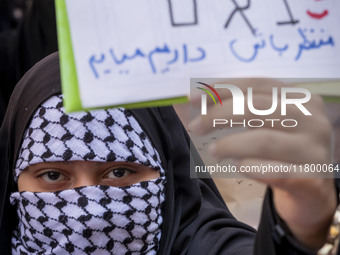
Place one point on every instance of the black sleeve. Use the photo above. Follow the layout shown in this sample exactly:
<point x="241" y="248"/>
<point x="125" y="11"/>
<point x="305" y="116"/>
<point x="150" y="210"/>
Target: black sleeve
<point x="273" y="236"/>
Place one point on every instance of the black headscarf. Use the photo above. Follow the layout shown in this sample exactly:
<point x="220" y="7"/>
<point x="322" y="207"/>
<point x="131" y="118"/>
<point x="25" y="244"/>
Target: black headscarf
<point x="196" y="220"/>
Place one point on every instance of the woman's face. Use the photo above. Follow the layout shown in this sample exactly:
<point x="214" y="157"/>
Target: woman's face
<point x="54" y="176"/>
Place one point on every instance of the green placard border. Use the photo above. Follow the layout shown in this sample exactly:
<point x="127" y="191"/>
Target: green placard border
<point x="68" y="71"/>
<point x="330" y="99"/>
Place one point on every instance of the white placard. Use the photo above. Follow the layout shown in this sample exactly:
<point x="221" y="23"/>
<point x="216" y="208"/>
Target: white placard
<point x="138" y="50"/>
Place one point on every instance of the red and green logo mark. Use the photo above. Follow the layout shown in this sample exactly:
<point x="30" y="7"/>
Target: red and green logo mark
<point x="209" y="93"/>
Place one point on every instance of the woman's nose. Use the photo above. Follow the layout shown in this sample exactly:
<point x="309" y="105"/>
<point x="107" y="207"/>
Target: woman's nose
<point x="85" y="174"/>
<point x="85" y="180"/>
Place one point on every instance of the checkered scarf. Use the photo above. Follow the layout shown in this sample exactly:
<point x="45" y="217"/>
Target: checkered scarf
<point x="101" y="135"/>
<point x="93" y="219"/>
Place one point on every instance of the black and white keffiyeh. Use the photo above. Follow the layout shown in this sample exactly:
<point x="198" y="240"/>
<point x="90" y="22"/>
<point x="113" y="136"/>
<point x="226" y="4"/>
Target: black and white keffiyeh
<point x="94" y="219"/>
<point x="99" y="220"/>
<point x="99" y="135"/>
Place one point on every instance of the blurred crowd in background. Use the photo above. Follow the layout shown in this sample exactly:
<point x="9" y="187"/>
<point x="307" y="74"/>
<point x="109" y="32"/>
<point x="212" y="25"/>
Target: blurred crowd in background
<point x="27" y="34"/>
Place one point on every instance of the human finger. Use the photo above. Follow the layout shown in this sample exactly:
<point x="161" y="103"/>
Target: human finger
<point x="273" y="145"/>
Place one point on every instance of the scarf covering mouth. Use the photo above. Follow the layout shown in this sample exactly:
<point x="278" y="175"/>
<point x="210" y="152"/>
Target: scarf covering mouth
<point x="90" y="220"/>
<point x="99" y="135"/>
<point x="93" y="219"/>
<point x="194" y="214"/>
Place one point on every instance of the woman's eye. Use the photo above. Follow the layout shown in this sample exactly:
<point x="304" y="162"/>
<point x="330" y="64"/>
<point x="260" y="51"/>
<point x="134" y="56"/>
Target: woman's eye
<point x="52" y="176"/>
<point x="118" y="173"/>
